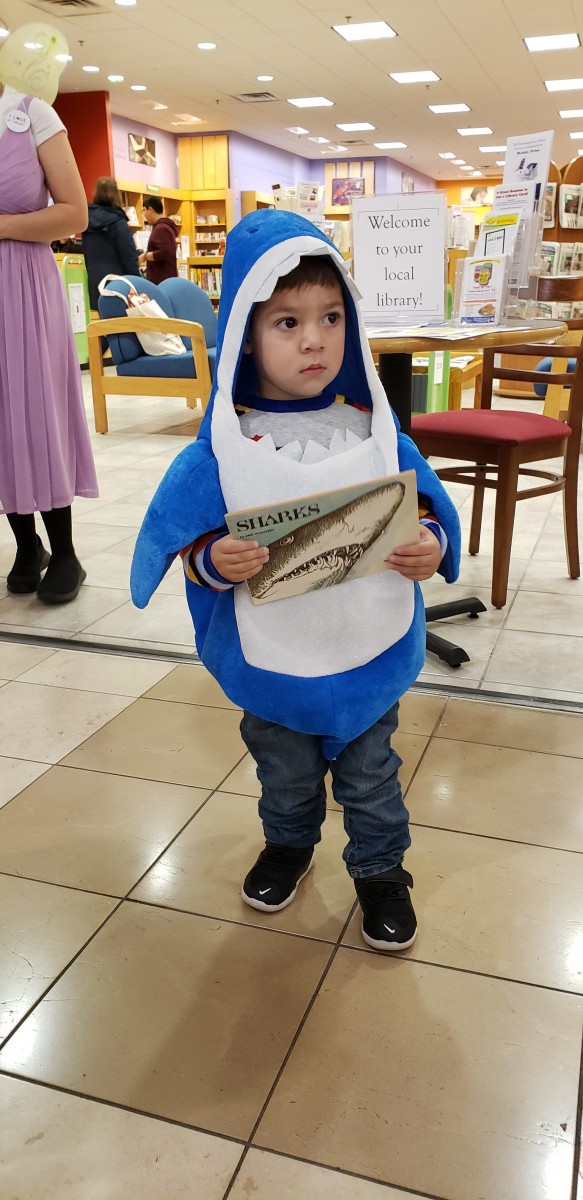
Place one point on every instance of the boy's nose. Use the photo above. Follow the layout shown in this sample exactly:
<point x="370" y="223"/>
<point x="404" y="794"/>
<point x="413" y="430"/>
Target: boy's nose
<point x="312" y="338"/>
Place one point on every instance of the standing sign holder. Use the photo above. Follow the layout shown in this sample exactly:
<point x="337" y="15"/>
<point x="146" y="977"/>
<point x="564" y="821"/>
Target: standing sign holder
<point x="74" y="276"/>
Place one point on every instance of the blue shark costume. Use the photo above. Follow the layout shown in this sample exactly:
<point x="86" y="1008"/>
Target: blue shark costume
<point x="331" y="662"/>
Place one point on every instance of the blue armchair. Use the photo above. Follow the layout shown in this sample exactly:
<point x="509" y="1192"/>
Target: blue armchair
<point x="189" y="313"/>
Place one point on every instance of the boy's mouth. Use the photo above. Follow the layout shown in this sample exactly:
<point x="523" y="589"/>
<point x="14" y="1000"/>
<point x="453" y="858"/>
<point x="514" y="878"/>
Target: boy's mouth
<point x="313" y="369"/>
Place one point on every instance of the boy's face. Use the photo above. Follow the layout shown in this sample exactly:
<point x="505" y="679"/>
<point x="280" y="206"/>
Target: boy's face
<point x="297" y="341"/>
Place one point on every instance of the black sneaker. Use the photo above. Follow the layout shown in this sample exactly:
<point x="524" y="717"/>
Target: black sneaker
<point x="273" y="882"/>
<point x="25" y="575"/>
<point x="388" y="919"/>
<point x="62" y="581"/>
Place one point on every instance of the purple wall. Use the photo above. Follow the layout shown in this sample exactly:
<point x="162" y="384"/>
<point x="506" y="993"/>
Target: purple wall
<point x="165" y="173"/>
<point x="388" y="177"/>
<point x="254" y="167"/>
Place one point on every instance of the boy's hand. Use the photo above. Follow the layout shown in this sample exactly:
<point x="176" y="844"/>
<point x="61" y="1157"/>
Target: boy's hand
<point x="419" y="561"/>
<point x="236" y="560"/>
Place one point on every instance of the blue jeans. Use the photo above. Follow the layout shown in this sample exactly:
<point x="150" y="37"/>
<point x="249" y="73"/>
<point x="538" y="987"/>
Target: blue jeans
<point x="291" y="770"/>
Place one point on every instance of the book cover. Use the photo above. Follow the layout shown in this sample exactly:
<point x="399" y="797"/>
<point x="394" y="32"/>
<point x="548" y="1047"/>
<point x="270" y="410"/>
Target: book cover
<point x="577" y="261"/>
<point x="549" y="257"/>
<point x="566" y="253"/>
<point x="483" y="290"/>
<point x="324" y="539"/>
<point x="569" y="200"/>
<point x="550" y="205"/>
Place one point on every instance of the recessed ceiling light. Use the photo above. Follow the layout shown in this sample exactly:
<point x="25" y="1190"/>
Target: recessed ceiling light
<point x="296" y="129"/>
<point x="4" y="32"/>
<point x="576" y="136"/>
<point x="355" y="126"/>
<point x="580" y="152"/>
<point x="139" y="87"/>
<point x="474" y="131"/>
<point x="447" y="154"/>
<point x="390" y="145"/>
<point x="312" y="102"/>
<point x="322" y="141"/>
<point x="475" y="173"/>
<point x="448" y="108"/>
<point x="158" y="107"/>
<point x="459" y="162"/>
<point x="466" y="167"/>
<point x="563" y="112"/>
<point x="264" y="78"/>
<point x="365" y="31"/>
<point x="492" y="149"/>
<point x="414" y="76"/>
<point x="126" y="3"/>
<point x="563" y="85"/>
<point x="500" y="162"/>
<point x="90" y="70"/>
<point x="206" y="45"/>
<point x="115" y="78"/>
<point x="557" y="41"/>
<point x="187" y="119"/>
<point x="64" y="58"/>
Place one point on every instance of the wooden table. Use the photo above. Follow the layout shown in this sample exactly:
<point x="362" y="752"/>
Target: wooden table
<point x="396" y="351"/>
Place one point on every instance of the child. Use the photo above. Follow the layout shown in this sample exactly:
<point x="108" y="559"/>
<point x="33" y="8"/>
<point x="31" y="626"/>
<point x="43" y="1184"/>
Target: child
<point x="297" y="408"/>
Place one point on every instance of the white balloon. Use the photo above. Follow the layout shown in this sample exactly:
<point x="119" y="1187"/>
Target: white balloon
<point x="32" y="59"/>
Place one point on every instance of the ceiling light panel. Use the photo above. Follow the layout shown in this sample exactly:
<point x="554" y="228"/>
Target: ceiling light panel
<point x="475" y="131"/>
<point x="312" y="102"/>
<point x="567" y="113"/>
<point x="558" y="41"/>
<point x="299" y="129"/>
<point x="414" y="76"/>
<point x="354" y="126"/>
<point x="390" y="145"/>
<point x="365" y="31"/>
<point x="564" y="85"/>
<point x="448" y="108"/>
<point x="447" y="154"/>
<point x="492" y="149"/>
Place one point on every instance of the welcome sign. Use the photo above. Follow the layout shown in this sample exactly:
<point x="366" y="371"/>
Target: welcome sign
<point x="399" y="257"/>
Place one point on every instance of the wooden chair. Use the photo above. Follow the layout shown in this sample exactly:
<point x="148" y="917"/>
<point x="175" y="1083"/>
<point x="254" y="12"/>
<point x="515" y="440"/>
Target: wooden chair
<point x="501" y="442"/>
<point x="192" y="388"/>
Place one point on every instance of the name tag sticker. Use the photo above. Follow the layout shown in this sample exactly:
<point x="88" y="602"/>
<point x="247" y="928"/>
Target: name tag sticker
<point x="17" y="121"/>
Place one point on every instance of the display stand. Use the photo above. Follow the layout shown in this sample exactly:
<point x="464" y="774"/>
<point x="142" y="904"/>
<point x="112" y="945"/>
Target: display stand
<point x="74" y="276"/>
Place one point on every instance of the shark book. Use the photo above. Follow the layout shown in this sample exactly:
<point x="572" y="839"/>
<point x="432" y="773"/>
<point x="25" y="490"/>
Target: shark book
<point x="330" y="538"/>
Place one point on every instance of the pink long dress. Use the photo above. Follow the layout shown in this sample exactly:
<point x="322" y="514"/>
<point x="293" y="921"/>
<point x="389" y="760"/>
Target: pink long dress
<point x="45" y="452"/>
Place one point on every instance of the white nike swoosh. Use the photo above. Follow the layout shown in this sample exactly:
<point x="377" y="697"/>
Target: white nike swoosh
<point x="266" y="890"/>
<point x="389" y="929"/>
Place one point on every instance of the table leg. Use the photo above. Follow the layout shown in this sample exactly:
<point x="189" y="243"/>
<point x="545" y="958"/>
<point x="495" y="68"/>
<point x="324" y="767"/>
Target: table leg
<point x="396" y="376"/>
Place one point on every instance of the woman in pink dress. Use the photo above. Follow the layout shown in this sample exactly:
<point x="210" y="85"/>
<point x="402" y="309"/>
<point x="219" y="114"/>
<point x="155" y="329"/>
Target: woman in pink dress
<point x="45" y="452"/>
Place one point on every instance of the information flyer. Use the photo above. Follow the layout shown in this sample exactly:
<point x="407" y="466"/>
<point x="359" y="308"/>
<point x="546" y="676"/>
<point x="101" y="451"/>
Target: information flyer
<point x="399" y="257"/>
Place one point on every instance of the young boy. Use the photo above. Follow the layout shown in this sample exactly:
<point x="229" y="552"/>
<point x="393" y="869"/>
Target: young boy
<point x="297" y="408"/>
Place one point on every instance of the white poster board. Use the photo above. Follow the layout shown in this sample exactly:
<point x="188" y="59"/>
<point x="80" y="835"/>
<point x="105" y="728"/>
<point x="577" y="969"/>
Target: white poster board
<point x="528" y="159"/>
<point x="399" y="257"/>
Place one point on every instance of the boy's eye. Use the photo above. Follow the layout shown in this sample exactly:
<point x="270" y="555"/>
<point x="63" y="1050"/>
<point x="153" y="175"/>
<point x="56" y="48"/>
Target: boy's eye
<point x="333" y="317"/>
<point x="288" y="322"/>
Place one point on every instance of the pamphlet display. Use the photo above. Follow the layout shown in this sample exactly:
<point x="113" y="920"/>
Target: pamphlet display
<point x="399" y="256"/>
<point x="570" y="213"/>
<point x="550" y="206"/>
<point x="528" y="159"/>
<point x="484" y="283"/>
<point x="326" y="539"/>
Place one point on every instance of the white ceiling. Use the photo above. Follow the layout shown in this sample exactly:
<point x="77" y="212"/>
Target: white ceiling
<point x="474" y="46"/>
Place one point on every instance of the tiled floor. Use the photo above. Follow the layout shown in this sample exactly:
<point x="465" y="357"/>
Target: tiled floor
<point x="534" y="646"/>
<point x="158" y="1038"/>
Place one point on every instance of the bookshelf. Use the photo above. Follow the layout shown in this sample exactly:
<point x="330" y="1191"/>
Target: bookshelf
<point x="213" y="217"/>
<point x="253" y="201"/>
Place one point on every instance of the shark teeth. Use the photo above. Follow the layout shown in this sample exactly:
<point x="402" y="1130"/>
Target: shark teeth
<point x="313" y="452"/>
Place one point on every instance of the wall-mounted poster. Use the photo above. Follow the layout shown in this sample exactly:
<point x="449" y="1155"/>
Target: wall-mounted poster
<point x="476" y="197"/>
<point x="407" y="183"/>
<point x="344" y="189"/>
<point x="142" y="149"/>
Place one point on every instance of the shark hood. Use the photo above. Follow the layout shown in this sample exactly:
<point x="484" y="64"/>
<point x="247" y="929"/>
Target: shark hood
<point x="334" y="660"/>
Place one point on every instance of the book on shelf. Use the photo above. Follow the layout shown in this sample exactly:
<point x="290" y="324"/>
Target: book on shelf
<point x="577" y="310"/>
<point x="329" y="538"/>
<point x="569" y="205"/>
<point x="549" y="257"/>
<point x="550" y="206"/>
<point x="566" y="252"/>
<point x="210" y="279"/>
<point x="577" y="262"/>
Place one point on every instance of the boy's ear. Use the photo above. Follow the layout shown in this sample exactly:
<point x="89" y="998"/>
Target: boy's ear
<point x="247" y="347"/>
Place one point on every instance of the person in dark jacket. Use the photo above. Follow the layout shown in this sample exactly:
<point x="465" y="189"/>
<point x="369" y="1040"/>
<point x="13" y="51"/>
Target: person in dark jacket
<point x="108" y="245"/>
<point x="160" y="257"/>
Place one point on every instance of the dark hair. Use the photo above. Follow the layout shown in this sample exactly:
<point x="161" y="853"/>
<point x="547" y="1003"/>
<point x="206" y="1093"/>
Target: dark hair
<point x="153" y="202"/>
<point x="106" y="192"/>
<point x="312" y="269"/>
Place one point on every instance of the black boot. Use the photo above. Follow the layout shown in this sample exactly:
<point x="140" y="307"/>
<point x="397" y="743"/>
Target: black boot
<point x="62" y="581"/>
<point x="25" y="575"/>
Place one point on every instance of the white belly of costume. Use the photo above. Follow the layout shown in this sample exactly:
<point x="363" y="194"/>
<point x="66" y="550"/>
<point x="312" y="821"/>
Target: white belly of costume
<point x="334" y="629"/>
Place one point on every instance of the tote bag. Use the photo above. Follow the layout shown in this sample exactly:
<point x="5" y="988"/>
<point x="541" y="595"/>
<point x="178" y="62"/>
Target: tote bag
<point x="141" y="305"/>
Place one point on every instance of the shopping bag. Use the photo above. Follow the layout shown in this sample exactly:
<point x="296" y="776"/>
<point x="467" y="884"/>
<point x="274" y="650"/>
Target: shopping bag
<point x="141" y="305"/>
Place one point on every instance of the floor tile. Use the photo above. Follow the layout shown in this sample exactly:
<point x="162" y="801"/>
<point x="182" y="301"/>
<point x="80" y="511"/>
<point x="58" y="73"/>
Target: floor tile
<point x="90" y="830"/>
<point x="166" y="619"/>
<point x="461" y="1092"/>
<point x="92" y="539"/>
<point x="112" y="674"/>
<point x="16" y="774"/>
<point x="419" y="712"/>
<point x="43" y="927"/>
<point x="174" y="1015"/>
<point x="44" y="723"/>
<point x="63" y="1146"/>
<point x="90" y="605"/>
<point x="517" y="728"/>
<point x="204" y="869"/>
<point x="15" y="659"/>
<point x="190" y="685"/>
<point x="499" y="792"/>
<point x="549" y="660"/>
<point x="495" y="907"/>
<point x="539" y="577"/>
<point x="265" y="1176"/>
<point x="156" y="739"/>
<point x="539" y="612"/>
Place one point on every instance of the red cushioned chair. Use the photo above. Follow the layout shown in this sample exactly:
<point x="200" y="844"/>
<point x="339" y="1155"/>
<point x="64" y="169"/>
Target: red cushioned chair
<point x="499" y="442"/>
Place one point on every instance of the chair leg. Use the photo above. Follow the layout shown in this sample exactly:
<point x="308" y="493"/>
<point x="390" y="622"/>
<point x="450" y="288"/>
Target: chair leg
<point x="477" y="509"/>
<point x="478" y="392"/>
<point x="570" y="511"/>
<point x="96" y="373"/>
<point x="506" y="492"/>
<point x="455" y="394"/>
